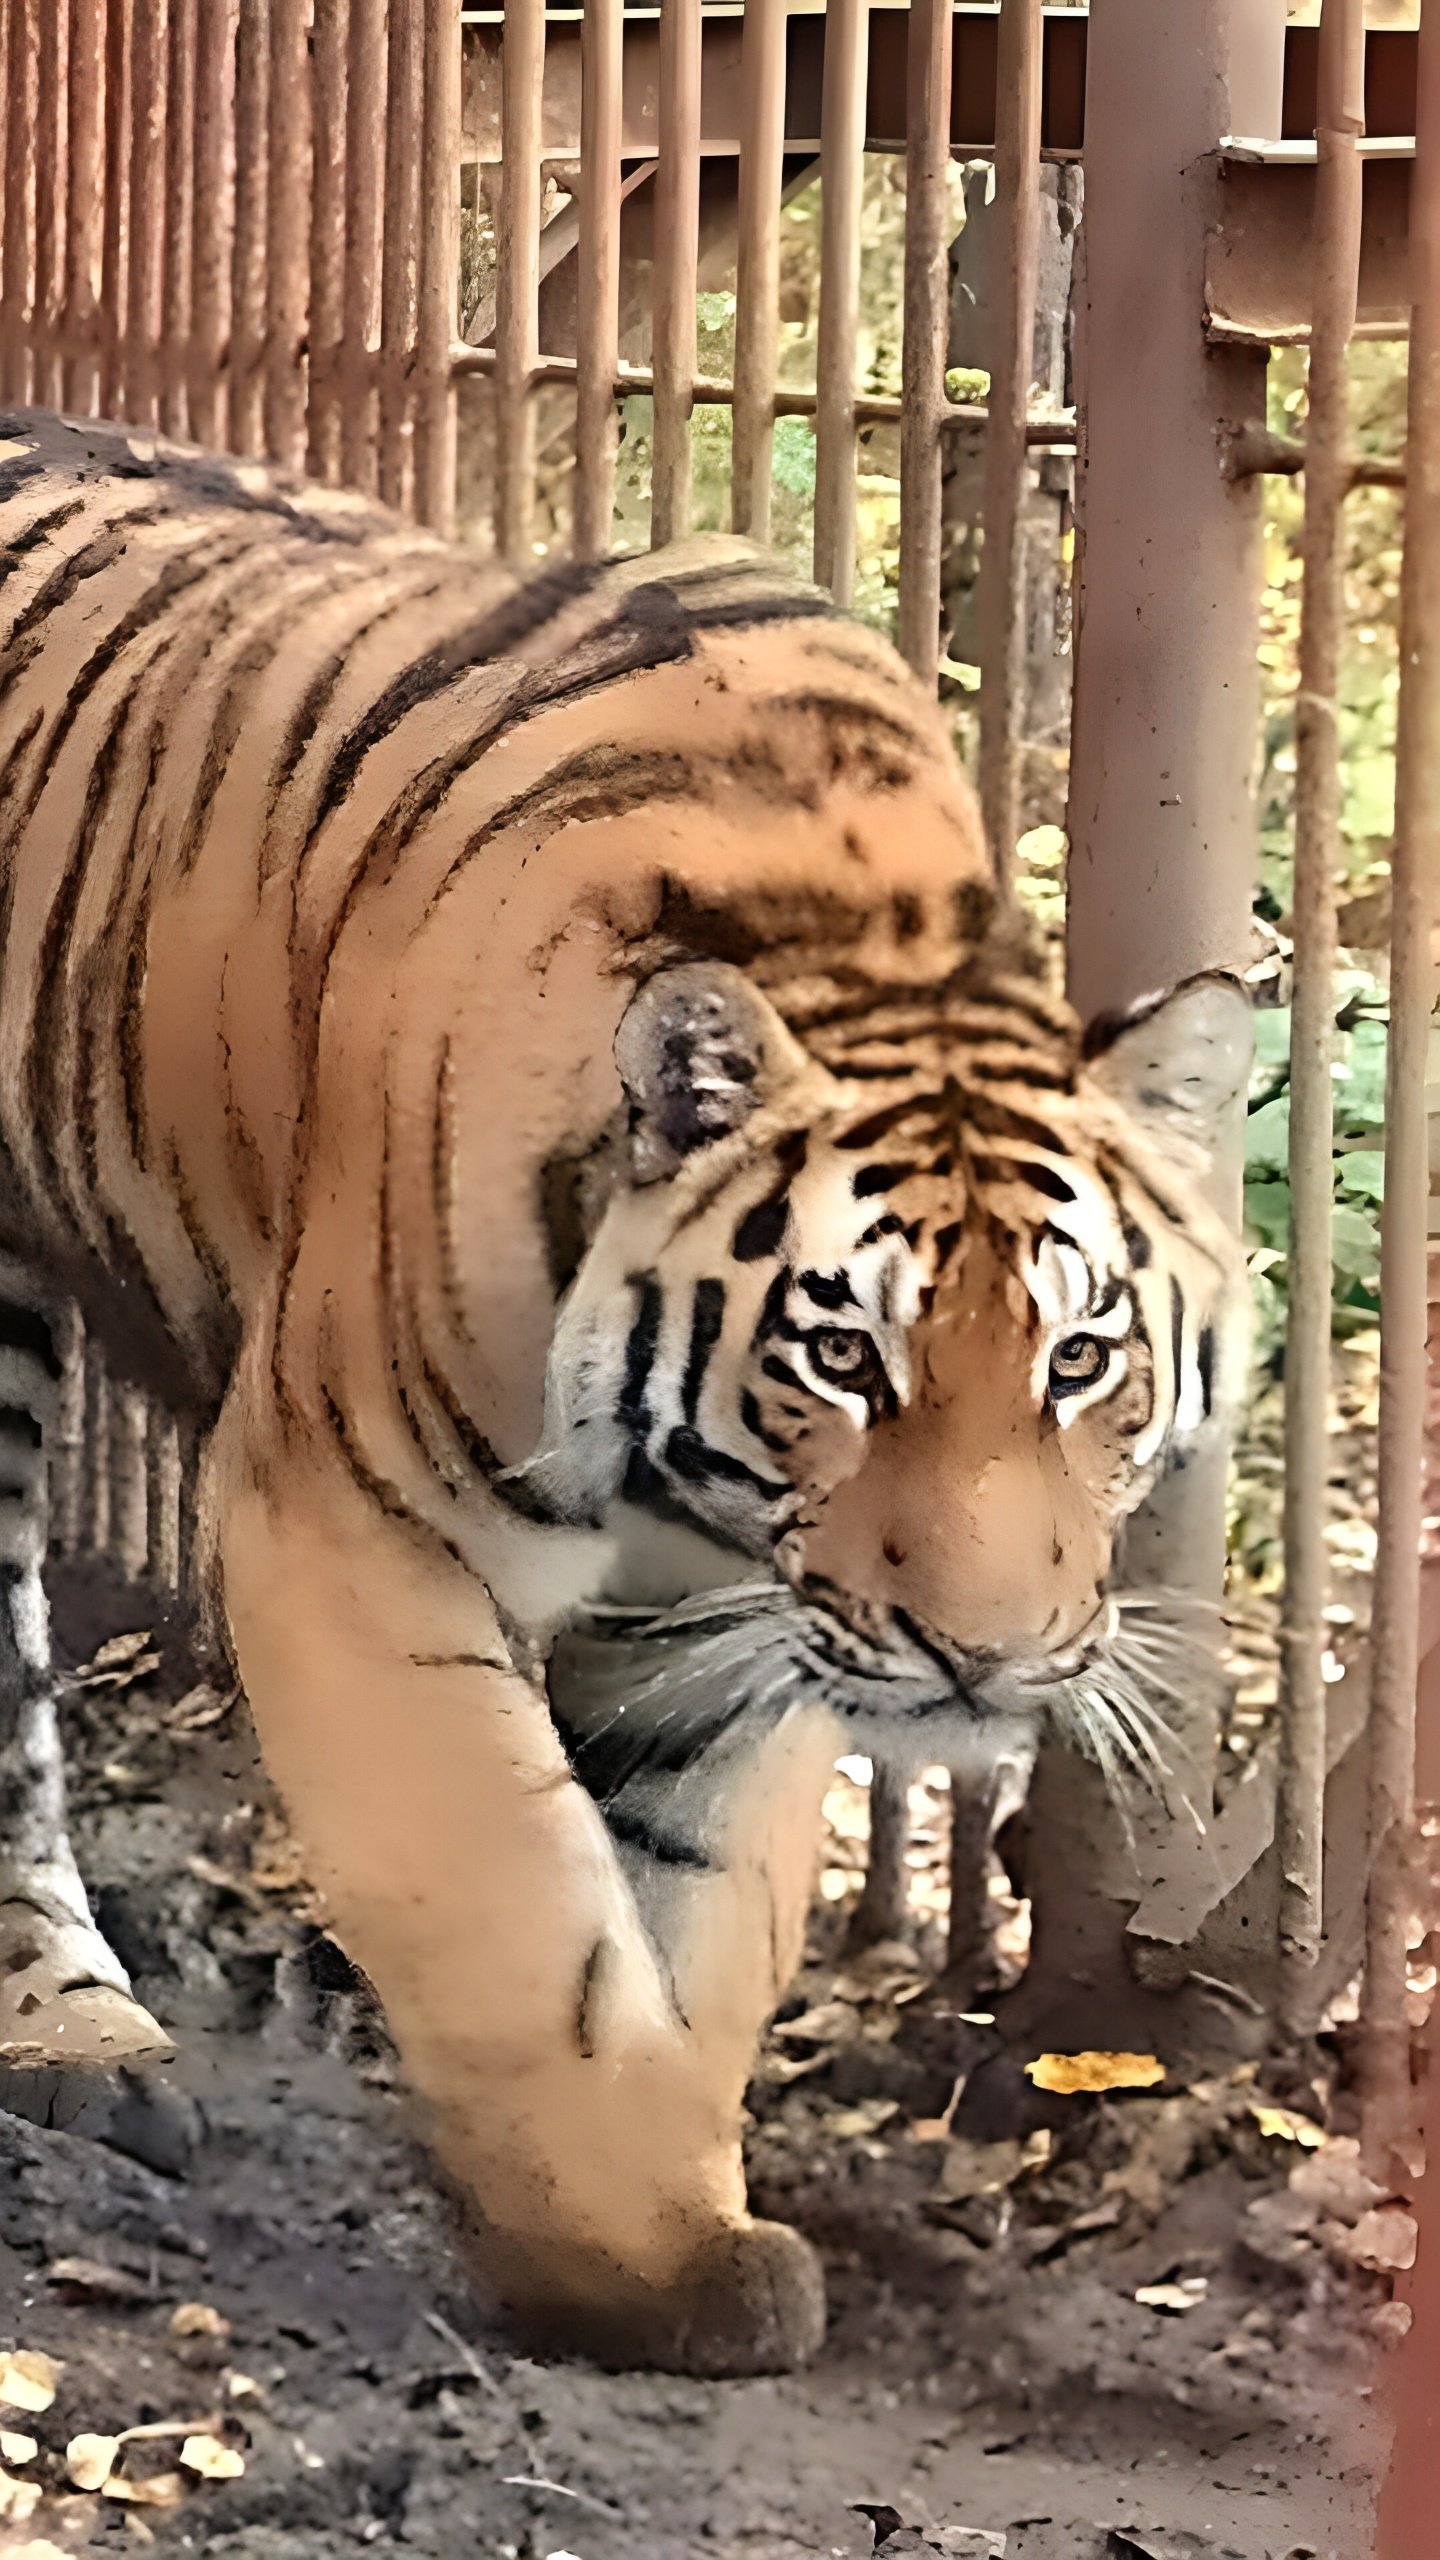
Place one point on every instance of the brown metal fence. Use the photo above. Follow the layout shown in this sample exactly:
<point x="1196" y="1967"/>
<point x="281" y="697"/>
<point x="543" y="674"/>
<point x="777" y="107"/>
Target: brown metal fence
<point x="239" y="220"/>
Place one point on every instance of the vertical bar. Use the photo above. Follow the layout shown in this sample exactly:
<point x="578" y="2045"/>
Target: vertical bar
<point x="757" y="298"/>
<point x="15" y="249"/>
<point x="84" y="211"/>
<point x="49" y="201"/>
<point x="287" y="248"/>
<point x="1336" y="236"/>
<point x="364" y="215"/>
<point x="399" y="263"/>
<point x="439" y="268"/>
<point x="1415" y="912"/>
<point x="67" y="1470"/>
<point x="598" y="328"/>
<point x="179" y="218"/>
<point x="327" y="238"/>
<point x="883" y="1910"/>
<point x="247" y="291"/>
<point x="1010" y="295"/>
<point x="95" y="1524"/>
<point x="517" y="277"/>
<point x="927" y="297"/>
<point x="677" y="266"/>
<point x="842" y="170"/>
<point x="213" y="241"/>
<point x="115" y="227"/>
<point x="129" y="1530"/>
<point x="147" y="209"/>
<point x="162" y="1498"/>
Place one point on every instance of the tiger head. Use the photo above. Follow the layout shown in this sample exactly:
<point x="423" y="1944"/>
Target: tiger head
<point x="907" y="1313"/>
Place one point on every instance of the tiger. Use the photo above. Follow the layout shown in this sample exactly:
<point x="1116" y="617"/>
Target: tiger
<point x="540" y="1075"/>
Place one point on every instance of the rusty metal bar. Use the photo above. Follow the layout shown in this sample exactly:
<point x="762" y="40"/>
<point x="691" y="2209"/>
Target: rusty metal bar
<point x="517" y="278"/>
<point x="247" y="290"/>
<point x="1010" y="299"/>
<point x="143" y="307"/>
<point x="129" y="1532"/>
<point x="212" y="214"/>
<point x="50" y="139"/>
<point x="927" y="163"/>
<point x="757" y="281"/>
<point x="327" y="238"/>
<point x="67" y="1463"/>
<point x="598" y="333"/>
<point x="842" y="146"/>
<point x="179" y="218"/>
<point x="15" y="248"/>
<point x="84" y="206"/>
<point x="1414" y="914"/>
<point x="287" y="252"/>
<point x="364" y="218"/>
<point x="399" y="265"/>
<point x="1317" y="846"/>
<point x="115" y="225"/>
<point x="677" y="254"/>
<point x="439" y="269"/>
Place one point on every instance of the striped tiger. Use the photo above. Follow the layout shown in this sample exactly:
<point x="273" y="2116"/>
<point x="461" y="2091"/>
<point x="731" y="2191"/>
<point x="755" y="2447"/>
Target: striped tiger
<point x="538" y="1074"/>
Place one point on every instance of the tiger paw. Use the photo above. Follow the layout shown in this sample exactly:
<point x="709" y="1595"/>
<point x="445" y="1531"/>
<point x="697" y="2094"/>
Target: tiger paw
<point x="753" y="2301"/>
<point x="65" y="1999"/>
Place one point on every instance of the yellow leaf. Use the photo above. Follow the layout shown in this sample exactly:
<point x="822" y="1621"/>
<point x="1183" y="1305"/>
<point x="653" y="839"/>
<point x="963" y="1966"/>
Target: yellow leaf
<point x="1181" y="2296"/>
<point x="15" y="2448"/>
<point x="164" y="2489"/>
<point x="1066" y="2075"/>
<point x="211" y="2459"/>
<point x="27" y="2379"/>
<point x="198" y="2320"/>
<point x="18" y="2499"/>
<point x="1286" y="2126"/>
<point x="89" y="2460"/>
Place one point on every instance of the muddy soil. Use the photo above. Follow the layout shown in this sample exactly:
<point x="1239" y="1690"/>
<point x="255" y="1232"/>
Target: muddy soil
<point x="988" y="2366"/>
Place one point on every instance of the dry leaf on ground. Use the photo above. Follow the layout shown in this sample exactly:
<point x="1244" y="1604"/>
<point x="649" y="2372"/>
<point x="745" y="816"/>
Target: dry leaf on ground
<point x="1385" y="2237"/>
<point x="18" y="2498"/>
<point x="17" y="2448"/>
<point x="163" y="2489"/>
<point x="1182" y="2295"/>
<point x="211" y="2459"/>
<point x="198" y="2320"/>
<point x="27" y="2379"/>
<point x="89" y="2460"/>
<point x="1068" y="2075"/>
<point x="1283" y="2124"/>
<point x="90" y="2280"/>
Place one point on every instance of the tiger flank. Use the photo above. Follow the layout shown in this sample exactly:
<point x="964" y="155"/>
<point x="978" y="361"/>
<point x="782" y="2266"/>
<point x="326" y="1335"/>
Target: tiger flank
<point x="537" y="1075"/>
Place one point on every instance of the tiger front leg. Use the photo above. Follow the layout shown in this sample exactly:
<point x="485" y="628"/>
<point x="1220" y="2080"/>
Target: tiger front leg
<point x="584" y="2094"/>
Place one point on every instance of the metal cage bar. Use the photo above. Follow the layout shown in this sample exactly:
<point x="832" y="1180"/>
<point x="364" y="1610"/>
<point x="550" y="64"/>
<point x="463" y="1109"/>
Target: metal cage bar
<point x="213" y="216"/>
<point x="1415" y="911"/>
<point x="50" y="140"/>
<point x="115" y="224"/>
<point x="329" y="60"/>
<point x="177" y="284"/>
<point x="1011" y="288"/>
<point x="439" y="262"/>
<point x="287" y="249"/>
<point x="677" y="267"/>
<point x="842" y="146"/>
<point x="15" y="249"/>
<point x="364" y="220"/>
<point x="598" y="314"/>
<point x="927" y="167"/>
<point x="399" y="271"/>
<point x="84" y="207"/>
<point x="248" y="286"/>
<point x="1317" y="829"/>
<point x="143" y="304"/>
<point x="757" y="273"/>
<point x="517" y="277"/>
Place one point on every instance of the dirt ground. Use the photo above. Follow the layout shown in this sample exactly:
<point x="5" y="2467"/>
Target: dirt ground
<point x="990" y="2379"/>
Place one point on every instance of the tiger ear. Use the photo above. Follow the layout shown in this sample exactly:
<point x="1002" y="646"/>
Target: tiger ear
<point x="1177" y="1063"/>
<point x="699" y="1049"/>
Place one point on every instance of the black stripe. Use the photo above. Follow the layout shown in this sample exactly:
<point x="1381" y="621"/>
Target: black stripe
<point x="762" y="1229"/>
<point x="1137" y="1245"/>
<point x="1177" y="1332"/>
<point x="640" y="1354"/>
<point x="875" y="1178"/>
<point x="635" y="1831"/>
<point x="828" y="1289"/>
<point x="37" y="531"/>
<point x="695" y="1462"/>
<point x="705" y="1324"/>
<point x="1205" y="1361"/>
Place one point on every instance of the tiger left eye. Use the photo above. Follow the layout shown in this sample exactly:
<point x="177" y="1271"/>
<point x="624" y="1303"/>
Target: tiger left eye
<point x="1081" y="1360"/>
<point x="845" y="1359"/>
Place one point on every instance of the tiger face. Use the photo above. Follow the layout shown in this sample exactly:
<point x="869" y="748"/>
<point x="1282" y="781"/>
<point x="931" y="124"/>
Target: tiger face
<point x="904" y="1348"/>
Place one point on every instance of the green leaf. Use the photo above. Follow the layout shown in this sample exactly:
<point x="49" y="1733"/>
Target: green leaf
<point x="1267" y="1137"/>
<point x="793" y="467"/>
<point x="1267" y="1213"/>
<point x="1361" y="1172"/>
<point x="1355" y="1245"/>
